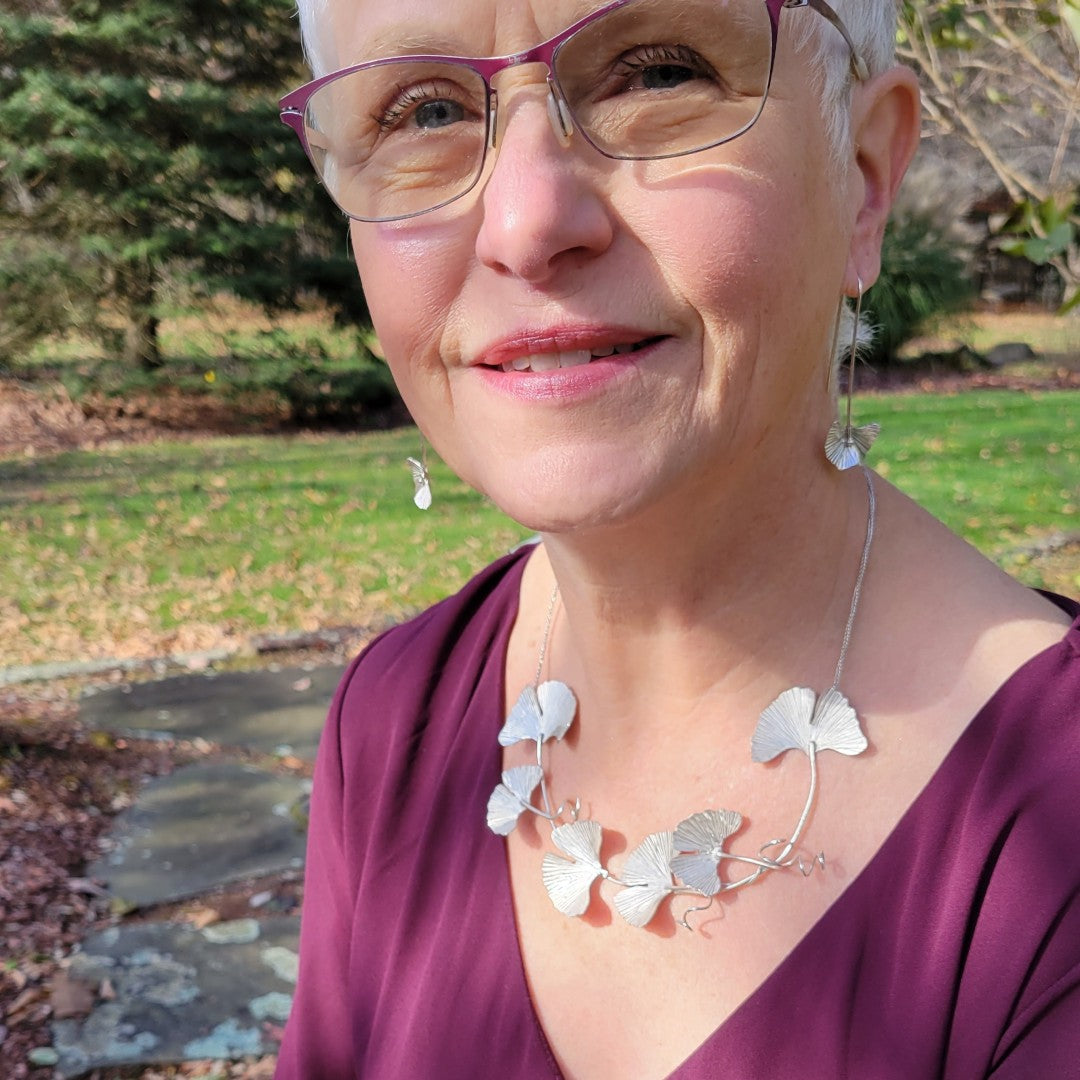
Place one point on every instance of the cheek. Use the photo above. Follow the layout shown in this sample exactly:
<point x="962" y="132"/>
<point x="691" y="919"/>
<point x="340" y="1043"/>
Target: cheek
<point x="411" y="280"/>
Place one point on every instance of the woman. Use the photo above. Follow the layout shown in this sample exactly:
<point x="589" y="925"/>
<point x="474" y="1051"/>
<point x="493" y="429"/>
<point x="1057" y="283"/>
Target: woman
<point x="606" y="270"/>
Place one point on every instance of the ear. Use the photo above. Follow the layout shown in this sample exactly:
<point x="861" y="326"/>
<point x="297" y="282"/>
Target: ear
<point x="885" y="123"/>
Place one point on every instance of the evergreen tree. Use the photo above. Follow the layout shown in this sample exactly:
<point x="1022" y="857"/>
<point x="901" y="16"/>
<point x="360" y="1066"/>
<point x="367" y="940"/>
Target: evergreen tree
<point x="140" y="137"/>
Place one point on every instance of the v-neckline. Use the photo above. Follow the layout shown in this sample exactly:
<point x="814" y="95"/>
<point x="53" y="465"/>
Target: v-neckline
<point x="941" y="775"/>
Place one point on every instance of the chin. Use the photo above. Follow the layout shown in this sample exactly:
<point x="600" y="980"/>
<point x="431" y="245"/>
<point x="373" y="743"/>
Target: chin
<point x="578" y="500"/>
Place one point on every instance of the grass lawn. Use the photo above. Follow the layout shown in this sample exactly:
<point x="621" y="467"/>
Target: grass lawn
<point x="168" y="547"/>
<point x="179" y="546"/>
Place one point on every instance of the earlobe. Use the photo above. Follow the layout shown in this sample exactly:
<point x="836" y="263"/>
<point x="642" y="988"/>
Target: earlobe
<point x="885" y="119"/>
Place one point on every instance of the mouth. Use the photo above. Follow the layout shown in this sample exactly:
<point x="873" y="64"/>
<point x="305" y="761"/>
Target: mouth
<point x="552" y="361"/>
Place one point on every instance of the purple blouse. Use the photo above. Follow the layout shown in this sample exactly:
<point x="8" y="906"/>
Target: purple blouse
<point x="954" y="954"/>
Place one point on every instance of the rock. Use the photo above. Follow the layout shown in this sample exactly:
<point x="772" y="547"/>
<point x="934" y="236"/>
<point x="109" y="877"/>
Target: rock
<point x="1009" y="352"/>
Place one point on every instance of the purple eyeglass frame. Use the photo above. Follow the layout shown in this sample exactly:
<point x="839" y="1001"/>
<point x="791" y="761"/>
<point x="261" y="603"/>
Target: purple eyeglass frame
<point x="294" y="104"/>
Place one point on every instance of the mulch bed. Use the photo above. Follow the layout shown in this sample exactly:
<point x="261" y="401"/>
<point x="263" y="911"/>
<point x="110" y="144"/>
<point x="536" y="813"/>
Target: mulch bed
<point x="60" y="786"/>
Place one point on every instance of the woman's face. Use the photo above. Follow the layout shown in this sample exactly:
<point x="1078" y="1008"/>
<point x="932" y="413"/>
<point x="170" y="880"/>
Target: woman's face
<point x="721" y="269"/>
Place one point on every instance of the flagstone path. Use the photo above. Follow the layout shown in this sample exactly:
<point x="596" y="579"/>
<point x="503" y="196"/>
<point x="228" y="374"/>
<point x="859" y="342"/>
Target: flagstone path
<point x="167" y="991"/>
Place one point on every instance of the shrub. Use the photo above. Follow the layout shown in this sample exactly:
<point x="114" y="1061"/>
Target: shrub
<point x="925" y="263"/>
<point x="315" y="386"/>
<point x="46" y="288"/>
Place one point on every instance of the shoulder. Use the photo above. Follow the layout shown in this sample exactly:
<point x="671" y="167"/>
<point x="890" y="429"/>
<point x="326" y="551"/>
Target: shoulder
<point x="475" y="613"/>
<point x="1031" y="725"/>
<point x="1021" y="815"/>
<point x="405" y="671"/>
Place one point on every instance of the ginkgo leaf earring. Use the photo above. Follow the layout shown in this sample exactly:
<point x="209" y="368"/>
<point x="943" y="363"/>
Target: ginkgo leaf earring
<point x="846" y="445"/>
<point x="421" y="480"/>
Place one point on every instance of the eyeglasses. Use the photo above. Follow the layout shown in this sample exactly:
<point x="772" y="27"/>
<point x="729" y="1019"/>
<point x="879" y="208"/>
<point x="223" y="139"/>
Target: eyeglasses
<point x="639" y="79"/>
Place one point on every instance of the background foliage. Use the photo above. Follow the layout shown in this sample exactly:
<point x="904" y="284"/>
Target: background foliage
<point x="141" y="158"/>
<point x="138" y="143"/>
<point x="1003" y="78"/>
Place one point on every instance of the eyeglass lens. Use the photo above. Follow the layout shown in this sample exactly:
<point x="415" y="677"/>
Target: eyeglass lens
<point x="651" y="79"/>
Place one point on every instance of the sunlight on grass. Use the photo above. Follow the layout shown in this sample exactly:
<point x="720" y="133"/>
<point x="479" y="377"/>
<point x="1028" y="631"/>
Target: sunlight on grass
<point x="1002" y="469"/>
<point x="167" y="547"/>
<point x="181" y="546"/>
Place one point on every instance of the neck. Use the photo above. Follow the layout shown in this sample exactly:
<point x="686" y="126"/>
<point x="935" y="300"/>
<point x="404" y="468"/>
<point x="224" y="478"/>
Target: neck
<point x="751" y="599"/>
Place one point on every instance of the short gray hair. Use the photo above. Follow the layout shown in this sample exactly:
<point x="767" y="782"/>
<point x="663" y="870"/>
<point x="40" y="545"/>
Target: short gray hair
<point x="872" y="26"/>
<point x="871" y="23"/>
<point x="310" y="12"/>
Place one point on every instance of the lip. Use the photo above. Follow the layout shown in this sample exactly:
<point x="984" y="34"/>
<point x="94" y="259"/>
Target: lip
<point x="535" y="342"/>
<point x="561" y="386"/>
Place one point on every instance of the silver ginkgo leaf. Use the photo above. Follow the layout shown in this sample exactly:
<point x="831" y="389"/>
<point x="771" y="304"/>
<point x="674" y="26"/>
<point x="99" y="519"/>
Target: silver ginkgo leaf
<point x="421" y="483"/>
<point x="647" y="877"/>
<point x="700" y="838"/>
<point x="797" y="720"/>
<point x="847" y="446"/>
<point x="568" y="882"/>
<point x="540" y="713"/>
<point x="511" y="797"/>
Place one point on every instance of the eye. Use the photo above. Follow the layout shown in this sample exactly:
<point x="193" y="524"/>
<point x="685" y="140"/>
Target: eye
<point x="427" y="107"/>
<point x="436" y="114"/>
<point x="662" y="67"/>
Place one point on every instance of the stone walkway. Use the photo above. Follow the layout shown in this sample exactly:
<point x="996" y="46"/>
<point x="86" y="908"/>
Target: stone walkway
<point x="166" y="992"/>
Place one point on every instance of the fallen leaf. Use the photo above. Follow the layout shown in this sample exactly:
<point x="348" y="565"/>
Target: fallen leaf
<point x="71" y="998"/>
<point x="25" y="1003"/>
<point x="202" y="916"/>
<point x="85" y="886"/>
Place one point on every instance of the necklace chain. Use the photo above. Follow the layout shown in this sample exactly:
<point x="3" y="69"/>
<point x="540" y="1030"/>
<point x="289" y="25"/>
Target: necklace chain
<point x="686" y="861"/>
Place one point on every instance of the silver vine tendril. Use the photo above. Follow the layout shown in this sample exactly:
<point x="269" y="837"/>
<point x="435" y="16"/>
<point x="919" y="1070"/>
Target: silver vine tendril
<point x="685" y="861"/>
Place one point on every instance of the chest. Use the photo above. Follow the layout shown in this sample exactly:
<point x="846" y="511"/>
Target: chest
<point x="616" y="1001"/>
<point x="621" y="1001"/>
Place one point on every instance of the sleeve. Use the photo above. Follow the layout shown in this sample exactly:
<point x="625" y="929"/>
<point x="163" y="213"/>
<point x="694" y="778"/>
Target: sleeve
<point x="318" y="1040"/>
<point x="1048" y="1041"/>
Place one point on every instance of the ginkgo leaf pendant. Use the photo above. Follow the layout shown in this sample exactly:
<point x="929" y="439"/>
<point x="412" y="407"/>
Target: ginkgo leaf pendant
<point x="646" y="879"/>
<point x="568" y="882"/>
<point x="701" y="838"/>
<point x="799" y="720"/>
<point x="846" y="446"/>
<point x="540" y="713"/>
<point x="511" y="798"/>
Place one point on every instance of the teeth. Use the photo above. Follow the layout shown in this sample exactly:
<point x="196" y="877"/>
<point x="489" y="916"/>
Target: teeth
<point x="577" y="358"/>
<point x="574" y="359"/>
<point x="549" y="361"/>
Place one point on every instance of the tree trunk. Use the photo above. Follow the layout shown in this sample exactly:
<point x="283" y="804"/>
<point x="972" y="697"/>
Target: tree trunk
<point x="141" y="346"/>
<point x="141" y="341"/>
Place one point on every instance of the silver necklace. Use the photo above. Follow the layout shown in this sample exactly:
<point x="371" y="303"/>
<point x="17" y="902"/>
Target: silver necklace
<point x="691" y="859"/>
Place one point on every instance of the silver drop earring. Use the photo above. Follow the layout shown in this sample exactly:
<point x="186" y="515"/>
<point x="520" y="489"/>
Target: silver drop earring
<point x="421" y="479"/>
<point x="846" y="446"/>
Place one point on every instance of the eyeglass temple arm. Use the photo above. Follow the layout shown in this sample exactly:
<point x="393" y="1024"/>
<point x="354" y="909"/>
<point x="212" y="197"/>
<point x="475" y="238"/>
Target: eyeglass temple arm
<point x="858" y="64"/>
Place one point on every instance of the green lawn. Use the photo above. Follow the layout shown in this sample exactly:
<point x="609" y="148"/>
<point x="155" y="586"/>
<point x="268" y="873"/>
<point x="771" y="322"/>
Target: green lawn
<point x="1001" y="468"/>
<point x="173" y="546"/>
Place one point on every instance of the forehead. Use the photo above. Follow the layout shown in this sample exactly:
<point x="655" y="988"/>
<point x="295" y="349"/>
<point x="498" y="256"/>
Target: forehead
<point x="357" y="30"/>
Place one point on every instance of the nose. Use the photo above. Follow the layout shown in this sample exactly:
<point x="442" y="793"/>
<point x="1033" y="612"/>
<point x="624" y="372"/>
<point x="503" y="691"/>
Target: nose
<point x="544" y="205"/>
